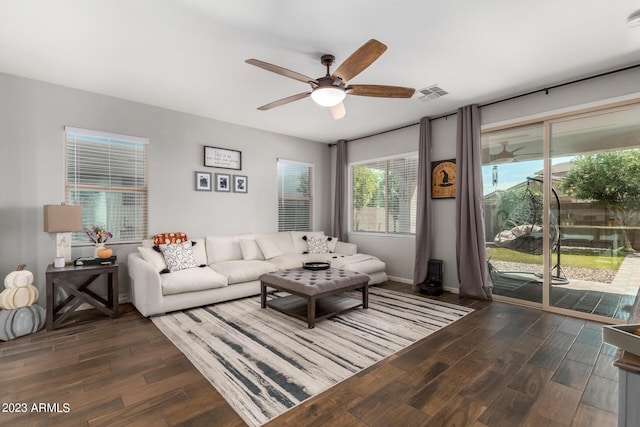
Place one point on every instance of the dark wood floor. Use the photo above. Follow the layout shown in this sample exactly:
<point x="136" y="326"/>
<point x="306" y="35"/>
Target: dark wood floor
<point x="502" y="365"/>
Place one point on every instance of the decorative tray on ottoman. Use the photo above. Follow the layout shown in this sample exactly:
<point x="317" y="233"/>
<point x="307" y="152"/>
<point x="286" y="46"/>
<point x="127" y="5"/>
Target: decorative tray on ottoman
<point x="624" y="337"/>
<point x="315" y="265"/>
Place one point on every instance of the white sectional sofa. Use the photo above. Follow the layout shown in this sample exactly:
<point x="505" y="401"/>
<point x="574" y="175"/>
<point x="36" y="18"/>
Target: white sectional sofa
<point x="228" y="267"/>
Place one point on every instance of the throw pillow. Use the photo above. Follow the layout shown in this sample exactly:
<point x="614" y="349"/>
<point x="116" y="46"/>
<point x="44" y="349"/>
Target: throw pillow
<point x="317" y="245"/>
<point x="300" y="242"/>
<point x="331" y="241"/>
<point x="169" y="238"/>
<point x="199" y="251"/>
<point x="179" y="256"/>
<point x="250" y="250"/>
<point x="269" y="248"/>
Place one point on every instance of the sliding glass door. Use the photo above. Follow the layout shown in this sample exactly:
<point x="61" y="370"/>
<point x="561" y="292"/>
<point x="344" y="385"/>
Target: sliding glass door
<point x="513" y="196"/>
<point x="595" y="166"/>
<point x="562" y="212"/>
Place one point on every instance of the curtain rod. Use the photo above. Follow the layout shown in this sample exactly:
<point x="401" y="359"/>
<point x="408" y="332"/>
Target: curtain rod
<point x="545" y="90"/>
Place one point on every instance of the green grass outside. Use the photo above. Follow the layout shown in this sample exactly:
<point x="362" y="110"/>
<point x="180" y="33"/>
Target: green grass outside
<point x="598" y="261"/>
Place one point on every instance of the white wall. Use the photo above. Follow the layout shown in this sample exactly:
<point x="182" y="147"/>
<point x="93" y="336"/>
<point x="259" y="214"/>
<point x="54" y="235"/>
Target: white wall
<point x="399" y="252"/>
<point x="32" y="119"/>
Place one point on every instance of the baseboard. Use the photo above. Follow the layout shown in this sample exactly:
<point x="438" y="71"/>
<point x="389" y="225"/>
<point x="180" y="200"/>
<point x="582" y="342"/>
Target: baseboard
<point x="401" y="280"/>
<point x="451" y="289"/>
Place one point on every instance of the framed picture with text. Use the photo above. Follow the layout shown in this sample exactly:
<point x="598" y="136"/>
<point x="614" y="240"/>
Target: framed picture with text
<point x="223" y="158"/>
<point x="443" y="179"/>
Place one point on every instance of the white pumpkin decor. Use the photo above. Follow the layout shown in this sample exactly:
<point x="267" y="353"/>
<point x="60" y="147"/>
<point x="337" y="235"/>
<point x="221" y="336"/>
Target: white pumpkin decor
<point x="21" y="321"/>
<point x="19" y="316"/>
<point x="18" y="297"/>
<point x="18" y="278"/>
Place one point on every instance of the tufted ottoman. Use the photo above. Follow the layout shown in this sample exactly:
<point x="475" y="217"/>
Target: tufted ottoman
<point x="314" y="294"/>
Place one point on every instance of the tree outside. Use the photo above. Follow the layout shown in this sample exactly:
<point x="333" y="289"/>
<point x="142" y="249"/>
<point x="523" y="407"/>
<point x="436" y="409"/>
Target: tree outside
<point x="611" y="181"/>
<point x="366" y="185"/>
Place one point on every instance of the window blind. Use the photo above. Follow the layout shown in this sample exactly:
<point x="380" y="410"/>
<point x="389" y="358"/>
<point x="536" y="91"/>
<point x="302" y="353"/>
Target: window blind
<point x="295" y="201"/>
<point x="383" y="195"/>
<point x="106" y="174"/>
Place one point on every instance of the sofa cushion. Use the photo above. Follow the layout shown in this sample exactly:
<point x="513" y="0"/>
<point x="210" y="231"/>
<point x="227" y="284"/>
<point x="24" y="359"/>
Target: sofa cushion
<point x="269" y="248"/>
<point x="250" y="250"/>
<point x="193" y="279"/>
<point x="242" y="271"/>
<point x="222" y="248"/>
<point x="151" y="256"/>
<point x="179" y="256"/>
<point x="361" y="263"/>
<point x="344" y="248"/>
<point x="282" y="238"/>
<point x="286" y="261"/>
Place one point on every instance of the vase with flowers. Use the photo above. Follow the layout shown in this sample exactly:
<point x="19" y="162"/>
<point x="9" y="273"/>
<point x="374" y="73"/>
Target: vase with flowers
<point x="99" y="236"/>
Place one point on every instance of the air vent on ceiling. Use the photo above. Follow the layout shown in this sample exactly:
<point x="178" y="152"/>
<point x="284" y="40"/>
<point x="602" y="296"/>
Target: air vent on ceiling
<point x="431" y="92"/>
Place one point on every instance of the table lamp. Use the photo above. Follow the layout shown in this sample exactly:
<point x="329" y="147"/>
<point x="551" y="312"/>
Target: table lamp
<point x="62" y="219"/>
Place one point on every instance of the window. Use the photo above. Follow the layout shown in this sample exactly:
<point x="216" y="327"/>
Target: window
<point x="384" y="195"/>
<point x="106" y="175"/>
<point x="295" y="202"/>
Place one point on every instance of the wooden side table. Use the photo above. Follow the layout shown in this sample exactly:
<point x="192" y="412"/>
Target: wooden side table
<point x="79" y="294"/>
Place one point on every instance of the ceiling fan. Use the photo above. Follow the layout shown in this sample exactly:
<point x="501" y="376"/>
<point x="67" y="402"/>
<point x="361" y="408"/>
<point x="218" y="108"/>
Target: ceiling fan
<point x="505" y="156"/>
<point x="331" y="89"/>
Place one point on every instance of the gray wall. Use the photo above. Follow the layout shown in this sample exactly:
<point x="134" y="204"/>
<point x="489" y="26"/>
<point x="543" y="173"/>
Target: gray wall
<point x="33" y="115"/>
<point x="32" y="119"/>
<point x="399" y="252"/>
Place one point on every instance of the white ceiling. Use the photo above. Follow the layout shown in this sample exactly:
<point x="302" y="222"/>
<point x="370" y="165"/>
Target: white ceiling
<point x="188" y="55"/>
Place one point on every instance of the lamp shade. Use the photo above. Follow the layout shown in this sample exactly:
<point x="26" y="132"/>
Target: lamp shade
<point x="62" y="218"/>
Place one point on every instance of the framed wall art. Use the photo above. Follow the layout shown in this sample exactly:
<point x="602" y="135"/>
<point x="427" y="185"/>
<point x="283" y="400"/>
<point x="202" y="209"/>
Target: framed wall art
<point x="223" y="158"/>
<point x="443" y="179"/>
<point x="240" y="183"/>
<point x="203" y="181"/>
<point x="223" y="182"/>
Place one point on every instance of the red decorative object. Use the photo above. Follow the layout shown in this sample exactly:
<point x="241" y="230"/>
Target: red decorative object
<point x="169" y="238"/>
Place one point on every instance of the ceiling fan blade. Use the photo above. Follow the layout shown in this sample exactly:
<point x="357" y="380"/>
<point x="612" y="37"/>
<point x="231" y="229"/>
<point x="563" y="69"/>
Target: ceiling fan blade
<point x="282" y="71"/>
<point x="359" y="60"/>
<point x="338" y="111"/>
<point x="380" y="91"/>
<point x="284" y="101"/>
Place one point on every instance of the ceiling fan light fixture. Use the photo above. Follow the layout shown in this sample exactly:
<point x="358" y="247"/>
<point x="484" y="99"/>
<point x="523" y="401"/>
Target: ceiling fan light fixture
<point x="634" y="19"/>
<point x="328" y="96"/>
<point x="502" y="160"/>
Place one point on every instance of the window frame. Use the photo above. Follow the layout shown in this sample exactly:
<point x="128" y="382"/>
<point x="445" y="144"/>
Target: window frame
<point x="388" y="158"/>
<point x="143" y="190"/>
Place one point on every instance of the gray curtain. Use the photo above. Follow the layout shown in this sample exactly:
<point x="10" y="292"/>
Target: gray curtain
<point x="470" y="240"/>
<point x="341" y="202"/>
<point x="423" y="212"/>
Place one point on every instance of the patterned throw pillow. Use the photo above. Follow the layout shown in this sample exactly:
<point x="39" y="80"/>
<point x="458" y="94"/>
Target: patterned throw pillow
<point x="179" y="256"/>
<point x="317" y="245"/>
<point x="169" y="238"/>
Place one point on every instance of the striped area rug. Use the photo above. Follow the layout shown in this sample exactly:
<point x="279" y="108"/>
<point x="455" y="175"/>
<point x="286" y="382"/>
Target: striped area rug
<point x="264" y="362"/>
